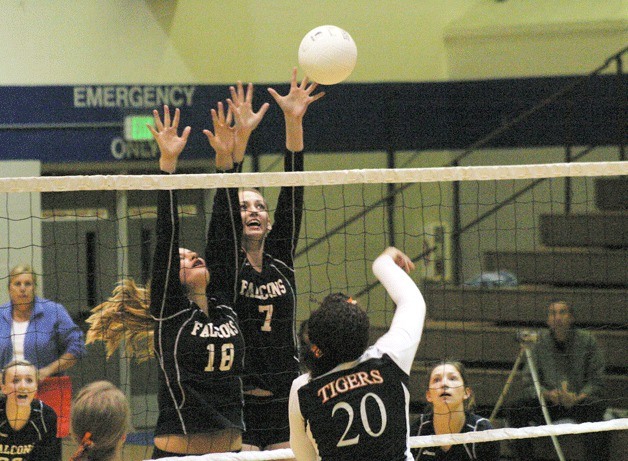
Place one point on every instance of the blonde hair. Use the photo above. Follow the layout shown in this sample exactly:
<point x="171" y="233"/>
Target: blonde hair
<point x="18" y="363"/>
<point x="124" y="315"/>
<point x="21" y="269"/>
<point x="100" y="420"/>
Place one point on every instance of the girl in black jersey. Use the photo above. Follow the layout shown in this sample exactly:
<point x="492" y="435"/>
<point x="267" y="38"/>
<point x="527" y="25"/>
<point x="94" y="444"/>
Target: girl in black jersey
<point x="28" y="427"/>
<point x="452" y="400"/>
<point x="197" y="340"/>
<point x="353" y="404"/>
<point x="261" y="281"/>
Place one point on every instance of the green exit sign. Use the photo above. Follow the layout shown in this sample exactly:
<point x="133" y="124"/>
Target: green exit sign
<point x="135" y="128"/>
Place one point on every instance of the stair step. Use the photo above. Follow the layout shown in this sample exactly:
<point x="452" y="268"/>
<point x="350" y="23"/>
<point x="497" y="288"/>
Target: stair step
<point x="585" y="230"/>
<point x="611" y="193"/>
<point x="524" y="305"/>
<point x="563" y="266"/>
<point x="476" y="342"/>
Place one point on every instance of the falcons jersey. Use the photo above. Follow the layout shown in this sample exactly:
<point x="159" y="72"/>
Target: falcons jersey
<point x="486" y="451"/>
<point x="200" y="356"/>
<point x="35" y="441"/>
<point x="264" y="301"/>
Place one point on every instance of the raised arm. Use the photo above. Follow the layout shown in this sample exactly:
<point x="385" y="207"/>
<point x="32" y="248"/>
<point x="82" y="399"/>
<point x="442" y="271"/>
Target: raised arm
<point x="246" y="119"/>
<point x="167" y="295"/>
<point x="282" y="239"/>
<point x="224" y="236"/>
<point x="402" y="339"/>
<point x="224" y="231"/>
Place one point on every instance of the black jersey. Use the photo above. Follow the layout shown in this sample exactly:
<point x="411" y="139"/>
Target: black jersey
<point x="359" y="410"/>
<point x="36" y="441"/>
<point x="486" y="451"/>
<point x="200" y="356"/>
<point x="264" y="301"/>
<point x="351" y="411"/>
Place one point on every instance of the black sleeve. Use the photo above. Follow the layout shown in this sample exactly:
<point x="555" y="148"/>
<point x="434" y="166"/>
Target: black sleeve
<point x="46" y="448"/>
<point x="486" y="451"/>
<point x="282" y="240"/>
<point x="222" y="251"/>
<point x="167" y="296"/>
<point x="414" y="431"/>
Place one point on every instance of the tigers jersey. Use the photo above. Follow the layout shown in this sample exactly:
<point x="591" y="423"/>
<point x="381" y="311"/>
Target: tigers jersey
<point x="359" y="410"/>
<point x="200" y="356"/>
<point x="36" y="441"/>
<point x="264" y="301"/>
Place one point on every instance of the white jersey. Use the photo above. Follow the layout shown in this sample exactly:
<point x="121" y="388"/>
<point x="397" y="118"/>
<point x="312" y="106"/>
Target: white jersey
<point x="359" y="410"/>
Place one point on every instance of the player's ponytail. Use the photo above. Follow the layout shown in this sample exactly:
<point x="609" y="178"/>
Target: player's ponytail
<point x="100" y="420"/>
<point x="125" y="315"/>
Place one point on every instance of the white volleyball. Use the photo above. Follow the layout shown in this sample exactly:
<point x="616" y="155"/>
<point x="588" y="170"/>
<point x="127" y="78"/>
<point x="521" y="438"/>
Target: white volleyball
<point x="327" y="55"/>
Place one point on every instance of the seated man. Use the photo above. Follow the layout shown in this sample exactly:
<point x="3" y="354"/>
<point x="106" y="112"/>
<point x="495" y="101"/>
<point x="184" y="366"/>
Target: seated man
<point x="570" y="366"/>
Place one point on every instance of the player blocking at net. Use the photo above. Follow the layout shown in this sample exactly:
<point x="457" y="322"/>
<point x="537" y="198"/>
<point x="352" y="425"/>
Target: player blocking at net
<point x="353" y="404"/>
<point x="261" y="282"/>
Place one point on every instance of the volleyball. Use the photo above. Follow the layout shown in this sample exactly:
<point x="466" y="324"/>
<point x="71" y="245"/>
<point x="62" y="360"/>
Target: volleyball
<point x="327" y="55"/>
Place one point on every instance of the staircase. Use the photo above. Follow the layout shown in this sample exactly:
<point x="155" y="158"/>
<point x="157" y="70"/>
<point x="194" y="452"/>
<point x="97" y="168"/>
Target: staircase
<point x="583" y="260"/>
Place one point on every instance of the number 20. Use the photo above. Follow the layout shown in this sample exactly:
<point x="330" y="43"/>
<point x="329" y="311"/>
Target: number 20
<point x="344" y="442"/>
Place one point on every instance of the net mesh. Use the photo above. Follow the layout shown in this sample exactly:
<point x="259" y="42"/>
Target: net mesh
<point x="493" y="245"/>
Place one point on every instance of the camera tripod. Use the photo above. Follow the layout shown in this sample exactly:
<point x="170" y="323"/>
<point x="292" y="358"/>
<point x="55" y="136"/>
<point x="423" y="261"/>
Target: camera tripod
<point x="526" y="339"/>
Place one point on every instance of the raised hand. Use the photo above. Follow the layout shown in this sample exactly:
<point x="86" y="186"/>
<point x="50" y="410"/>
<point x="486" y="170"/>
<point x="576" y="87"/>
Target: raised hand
<point x="400" y="258"/>
<point x="170" y="143"/>
<point x="246" y="119"/>
<point x="296" y="102"/>
<point x="222" y="138"/>
<point x="241" y="104"/>
<point x="294" y="105"/>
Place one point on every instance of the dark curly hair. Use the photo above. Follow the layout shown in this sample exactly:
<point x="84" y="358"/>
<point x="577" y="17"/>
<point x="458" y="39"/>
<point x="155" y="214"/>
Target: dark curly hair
<point x="340" y="329"/>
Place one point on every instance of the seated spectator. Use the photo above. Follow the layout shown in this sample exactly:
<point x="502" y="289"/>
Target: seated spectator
<point x="570" y="366"/>
<point x="452" y="402"/>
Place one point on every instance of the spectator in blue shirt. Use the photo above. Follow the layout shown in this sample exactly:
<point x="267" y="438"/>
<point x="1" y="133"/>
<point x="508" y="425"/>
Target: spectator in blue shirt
<point x="42" y="332"/>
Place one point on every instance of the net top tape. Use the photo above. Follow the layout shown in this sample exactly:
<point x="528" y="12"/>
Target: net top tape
<point x="437" y="440"/>
<point x="311" y="178"/>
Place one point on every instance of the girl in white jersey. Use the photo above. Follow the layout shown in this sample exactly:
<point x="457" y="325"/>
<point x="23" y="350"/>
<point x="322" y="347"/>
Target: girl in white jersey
<point x="353" y="404"/>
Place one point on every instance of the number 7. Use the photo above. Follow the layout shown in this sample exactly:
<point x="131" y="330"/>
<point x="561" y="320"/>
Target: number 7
<point x="268" y="308"/>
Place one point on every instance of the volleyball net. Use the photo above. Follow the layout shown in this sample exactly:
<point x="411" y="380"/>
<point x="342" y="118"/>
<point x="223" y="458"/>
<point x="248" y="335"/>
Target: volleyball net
<point x="493" y="245"/>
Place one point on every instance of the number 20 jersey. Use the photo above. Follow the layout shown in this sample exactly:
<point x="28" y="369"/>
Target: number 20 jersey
<point x="359" y="413"/>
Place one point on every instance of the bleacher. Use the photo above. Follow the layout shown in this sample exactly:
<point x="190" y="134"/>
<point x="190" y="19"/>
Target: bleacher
<point x="583" y="261"/>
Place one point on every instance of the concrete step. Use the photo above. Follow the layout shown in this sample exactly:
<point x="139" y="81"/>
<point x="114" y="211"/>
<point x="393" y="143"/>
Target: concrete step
<point x="524" y="305"/>
<point x="563" y="266"/>
<point x="476" y="342"/>
<point x="611" y="193"/>
<point x="585" y="230"/>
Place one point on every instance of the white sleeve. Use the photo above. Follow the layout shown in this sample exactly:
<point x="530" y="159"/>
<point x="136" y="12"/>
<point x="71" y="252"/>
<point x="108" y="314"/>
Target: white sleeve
<point x="402" y="339"/>
<point x="301" y="445"/>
